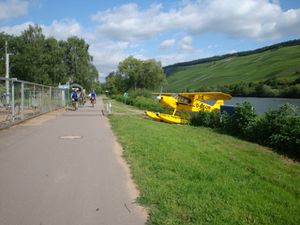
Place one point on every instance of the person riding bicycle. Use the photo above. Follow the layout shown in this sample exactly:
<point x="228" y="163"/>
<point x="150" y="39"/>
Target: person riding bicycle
<point x="74" y="97"/>
<point x="93" y="97"/>
<point x="82" y="97"/>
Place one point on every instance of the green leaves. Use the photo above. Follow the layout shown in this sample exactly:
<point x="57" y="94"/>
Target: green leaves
<point x="48" y="61"/>
<point x="135" y="73"/>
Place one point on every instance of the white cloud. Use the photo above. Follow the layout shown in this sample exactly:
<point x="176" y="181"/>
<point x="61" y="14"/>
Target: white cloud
<point x="289" y="23"/>
<point x="13" y="8"/>
<point x="107" y="55"/>
<point x="17" y="29"/>
<point x="171" y="59"/>
<point x="128" y="23"/>
<point x="186" y="44"/>
<point x="65" y="28"/>
<point x="259" y="19"/>
<point x="167" y="43"/>
<point x="59" y="29"/>
<point x="231" y="51"/>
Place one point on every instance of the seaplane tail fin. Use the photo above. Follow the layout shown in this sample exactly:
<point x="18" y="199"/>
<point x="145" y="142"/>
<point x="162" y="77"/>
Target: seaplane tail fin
<point x="218" y="104"/>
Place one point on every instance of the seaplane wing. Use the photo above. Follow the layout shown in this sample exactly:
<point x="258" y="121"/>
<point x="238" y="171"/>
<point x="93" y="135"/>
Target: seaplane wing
<point x="198" y="96"/>
<point x="164" y="93"/>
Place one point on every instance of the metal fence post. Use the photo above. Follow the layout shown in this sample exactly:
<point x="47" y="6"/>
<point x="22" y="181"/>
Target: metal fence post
<point x="22" y="100"/>
<point x="63" y="98"/>
<point x="50" y="99"/>
<point x="7" y="91"/>
<point x="42" y="99"/>
<point x="13" y="99"/>
<point x="34" y="98"/>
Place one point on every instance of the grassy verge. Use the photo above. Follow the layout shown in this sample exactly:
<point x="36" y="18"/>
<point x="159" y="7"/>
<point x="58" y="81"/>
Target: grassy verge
<point x="189" y="175"/>
<point x="120" y="108"/>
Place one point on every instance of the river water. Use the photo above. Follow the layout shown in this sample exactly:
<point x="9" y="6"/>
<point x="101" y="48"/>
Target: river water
<point x="262" y="105"/>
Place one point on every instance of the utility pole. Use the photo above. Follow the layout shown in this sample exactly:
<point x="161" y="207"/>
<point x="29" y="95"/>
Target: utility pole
<point x="7" y="73"/>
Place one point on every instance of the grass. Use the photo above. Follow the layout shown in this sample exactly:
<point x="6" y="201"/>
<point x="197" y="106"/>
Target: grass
<point x="186" y="179"/>
<point x="188" y="175"/>
<point x="281" y="63"/>
<point x="118" y="107"/>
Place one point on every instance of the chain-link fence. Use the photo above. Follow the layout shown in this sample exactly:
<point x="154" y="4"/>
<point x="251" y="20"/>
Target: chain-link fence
<point x="20" y="100"/>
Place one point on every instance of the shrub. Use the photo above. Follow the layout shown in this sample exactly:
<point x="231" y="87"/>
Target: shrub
<point x="279" y="129"/>
<point x="239" y="122"/>
<point x="206" y="119"/>
<point x="140" y="92"/>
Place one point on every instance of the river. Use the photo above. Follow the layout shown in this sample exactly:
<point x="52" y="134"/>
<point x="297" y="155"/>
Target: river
<point x="262" y="105"/>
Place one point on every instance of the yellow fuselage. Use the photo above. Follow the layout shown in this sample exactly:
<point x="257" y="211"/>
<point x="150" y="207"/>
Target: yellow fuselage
<point x="185" y="105"/>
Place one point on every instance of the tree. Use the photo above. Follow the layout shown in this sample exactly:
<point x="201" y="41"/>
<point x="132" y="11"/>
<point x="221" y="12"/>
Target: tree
<point x="152" y="74"/>
<point x="28" y="62"/>
<point x="53" y="61"/>
<point x="141" y="74"/>
<point x="115" y="83"/>
<point x="47" y="61"/>
<point x="132" y="69"/>
<point x="92" y="82"/>
<point x="77" y="59"/>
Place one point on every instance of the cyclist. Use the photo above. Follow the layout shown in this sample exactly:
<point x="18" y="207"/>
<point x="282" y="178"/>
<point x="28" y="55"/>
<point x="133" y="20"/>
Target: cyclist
<point x="82" y="97"/>
<point x="74" y="97"/>
<point x="93" y="97"/>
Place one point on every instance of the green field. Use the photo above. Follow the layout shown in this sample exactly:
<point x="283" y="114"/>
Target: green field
<point x="191" y="175"/>
<point x="282" y="63"/>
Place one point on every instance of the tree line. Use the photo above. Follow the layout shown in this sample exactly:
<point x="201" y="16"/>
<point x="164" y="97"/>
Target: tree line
<point x="269" y="88"/>
<point x="48" y="61"/>
<point x="133" y="74"/>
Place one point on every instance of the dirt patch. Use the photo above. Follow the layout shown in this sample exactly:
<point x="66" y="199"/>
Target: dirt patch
<point x="133" y="190"/>
<point x="36" y="121"/>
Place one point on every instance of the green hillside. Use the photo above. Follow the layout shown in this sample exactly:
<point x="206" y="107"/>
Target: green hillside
<point x="280" y="62"/>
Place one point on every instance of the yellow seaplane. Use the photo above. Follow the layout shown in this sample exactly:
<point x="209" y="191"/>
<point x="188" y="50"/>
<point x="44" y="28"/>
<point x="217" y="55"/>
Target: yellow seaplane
<point x="193" y="102"/>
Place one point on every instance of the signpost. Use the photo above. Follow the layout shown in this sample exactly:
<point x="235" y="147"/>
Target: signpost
<point x="7" y="73"/>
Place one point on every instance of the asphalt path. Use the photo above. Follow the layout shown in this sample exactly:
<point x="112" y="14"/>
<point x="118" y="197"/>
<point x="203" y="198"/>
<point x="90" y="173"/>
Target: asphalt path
<point x="65" y="168"/>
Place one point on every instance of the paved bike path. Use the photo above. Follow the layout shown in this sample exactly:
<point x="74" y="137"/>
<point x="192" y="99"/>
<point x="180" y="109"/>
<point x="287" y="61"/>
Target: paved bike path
<point x="65" y="169"/>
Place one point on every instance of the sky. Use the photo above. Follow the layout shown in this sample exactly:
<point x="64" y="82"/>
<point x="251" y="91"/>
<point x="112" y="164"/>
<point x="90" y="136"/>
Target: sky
<point x="169" y="31"/>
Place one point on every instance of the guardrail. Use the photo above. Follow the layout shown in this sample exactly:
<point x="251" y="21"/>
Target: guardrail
<point x="20" y="100"/>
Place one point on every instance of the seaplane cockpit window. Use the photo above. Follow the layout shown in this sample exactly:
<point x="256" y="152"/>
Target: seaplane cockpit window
<point x="184" y="100"/>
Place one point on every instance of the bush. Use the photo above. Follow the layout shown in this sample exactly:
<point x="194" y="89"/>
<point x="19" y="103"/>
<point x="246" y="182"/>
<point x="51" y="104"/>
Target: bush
<point x="148" y="104"/>
<point x="279" y="129"/>
<point x="239" y="122"/>
<point x="140" y="92"/>
<point x="142" y="101"/>
<point x="206" y="119"/>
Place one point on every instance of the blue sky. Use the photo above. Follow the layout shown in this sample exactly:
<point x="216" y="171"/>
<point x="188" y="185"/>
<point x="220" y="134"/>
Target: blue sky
<point x="168" y="31"/>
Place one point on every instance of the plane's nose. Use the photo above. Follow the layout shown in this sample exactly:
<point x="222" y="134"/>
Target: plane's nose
<point x="159" y="97"/>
